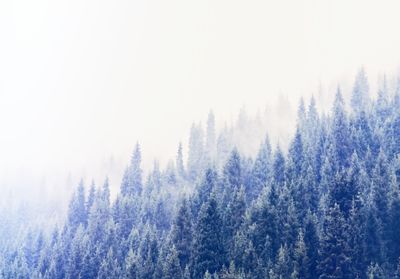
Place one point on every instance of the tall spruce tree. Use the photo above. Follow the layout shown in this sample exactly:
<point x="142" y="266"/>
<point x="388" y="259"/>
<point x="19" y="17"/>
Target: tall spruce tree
<point x="182" y="234"/>
<point x="208" y="251"/>
<point x="335" y="252"/>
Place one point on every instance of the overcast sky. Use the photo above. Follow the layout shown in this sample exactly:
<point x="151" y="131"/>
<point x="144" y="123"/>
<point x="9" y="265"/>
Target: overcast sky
<point x="82" y="80"/>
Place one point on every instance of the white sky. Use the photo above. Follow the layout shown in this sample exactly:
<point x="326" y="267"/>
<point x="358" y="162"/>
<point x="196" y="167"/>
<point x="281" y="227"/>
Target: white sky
<point x="81" y="80"/>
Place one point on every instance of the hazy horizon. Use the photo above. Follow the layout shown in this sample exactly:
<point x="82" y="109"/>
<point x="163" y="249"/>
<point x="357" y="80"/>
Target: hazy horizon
<point x="81" y="82"/>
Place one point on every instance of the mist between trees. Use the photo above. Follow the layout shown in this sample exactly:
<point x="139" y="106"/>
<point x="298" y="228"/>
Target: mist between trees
<point x="323" y="204"/>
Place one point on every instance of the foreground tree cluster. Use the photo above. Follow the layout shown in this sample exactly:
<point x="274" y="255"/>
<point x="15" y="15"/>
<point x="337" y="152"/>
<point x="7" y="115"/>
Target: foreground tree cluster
<point x="328" y="207"/>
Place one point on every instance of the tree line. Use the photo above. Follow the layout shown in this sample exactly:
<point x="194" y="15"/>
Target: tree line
<point x="328" y="207"/>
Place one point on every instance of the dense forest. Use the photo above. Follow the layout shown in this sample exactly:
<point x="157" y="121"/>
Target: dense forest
<point x="327" y="207"/>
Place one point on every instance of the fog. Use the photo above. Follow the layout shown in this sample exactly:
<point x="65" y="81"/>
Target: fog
<point x="82" y="81"/>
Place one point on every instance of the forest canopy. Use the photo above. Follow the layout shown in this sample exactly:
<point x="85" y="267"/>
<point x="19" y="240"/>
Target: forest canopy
<point x="327" y="207"/>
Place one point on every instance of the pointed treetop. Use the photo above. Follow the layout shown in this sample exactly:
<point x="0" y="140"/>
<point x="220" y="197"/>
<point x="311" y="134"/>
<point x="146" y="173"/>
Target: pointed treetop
<point x="137" y="155"/>
<point x="312" y="108"/>
<point x="105" y="193"/>
<point x="360" y="91"/>
<point x="339" y="102"/>
<point x="301" y="113"/>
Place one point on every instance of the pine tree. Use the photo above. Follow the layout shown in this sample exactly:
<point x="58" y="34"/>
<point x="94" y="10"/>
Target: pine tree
<point x="148" y="254"/>
<point x="208" y="252"/>
<point x="278" y="167"/>
<point x="77" y="210"/>
<point x="283" y="263"/>
<point x="182" y="234"/>
<point x="394" y="215"/>
<point x="372" y="237"/>
<point x="91" y="197"/>
<point x="296" y="157"/>
<point x="311" y="242"/>
<point x="232" y="177"/>
<point x="233" y="217"/>
<point x="301" y="261"/>
<point x="132" y="181"/>
<point x="359" y="97"/>
<point x="312" y="131"/>
<point x="179" y="162"/>
<point x="356" y="223"/>
<point x="382" y="103"/>
<point x="340" y="131"/>
<point x="301" y="116"/>
<point x="131" y="265"/>
<point x="99" y="215"/>
<point x="109" y="268"/>
<point x="335" y="253"/>
<point x="196" y="148"/>
<point x="342" y="193"/>
<point x="172" y="268"/>
<point x="261" y="172"/>
<point x="78" y="246"/>
<point x="211" y="148"/>
<point x="264" y="232"/>
<point x="204" y="189"/>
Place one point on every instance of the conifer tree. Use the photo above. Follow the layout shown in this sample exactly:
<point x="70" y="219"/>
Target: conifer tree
<point x="335" y="252"/>
<point x="179" y="162"/>
<point x="182" y="234"/>
<point x="131" y="265"/>
<point x="208" y="253"/>
<point x="278" y="167"/>
<point x="210" y="147"/>
<point x="359" y="97"/>
<point x="172" y="268"/>
<point x="340" y="131"/>
<point x="261" y="172"/>
<point x="132" y="181"/>
<point x="301" y="261"/>
<point x="77" y="210"/>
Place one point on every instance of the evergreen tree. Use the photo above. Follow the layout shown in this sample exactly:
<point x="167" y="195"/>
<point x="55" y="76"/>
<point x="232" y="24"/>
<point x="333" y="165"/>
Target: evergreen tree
<point x="182" y="234"/>
<point x="172" y="268"/>
<point x="278" y="167"/>
<point x="109" y="268"/>
<point x="359" y="97"/>
<point x="264" y="232"/>
<point x="335" y="252"/>
<point x="301" y="116"/>
<point x="394" y="241"/>
<point x="301" y="261"/>
<point x="233" y="217"/>
<point x="312" y="132"/>
<point x="283" y="264"/>
<point x="132" y="181"/>
<point x="382" y="103"/>
<point x="261" y="172"/>
<point x="91" y="197"/>
<point x="179" y="162"/>
<point x="340" y="131"/>
<point x="77" y="209"/>
<point x="211" y="147"/>
<point x="311" y="242"/>
<point x="208" y="252"/>
<point x="232" y="177"/>
<point x="372" y="237"/>
<point x="296" y="157"/>
<point x="204" y="190"/>
<point x="195" y="156"/>
<point x="131" y="265"/>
